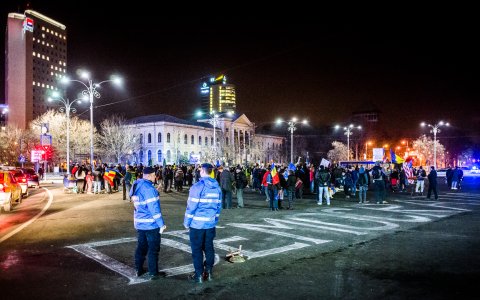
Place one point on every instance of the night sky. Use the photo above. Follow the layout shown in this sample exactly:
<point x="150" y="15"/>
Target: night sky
<point x="319" y="64"/>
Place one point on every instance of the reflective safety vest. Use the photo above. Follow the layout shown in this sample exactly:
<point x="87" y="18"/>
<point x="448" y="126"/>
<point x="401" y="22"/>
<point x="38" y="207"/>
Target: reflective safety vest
<point x="204" y="204"/>
<point x="145" y="198"/>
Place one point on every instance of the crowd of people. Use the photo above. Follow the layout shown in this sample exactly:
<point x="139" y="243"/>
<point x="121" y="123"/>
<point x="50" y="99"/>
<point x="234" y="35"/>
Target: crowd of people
<point x="292" y="183"/>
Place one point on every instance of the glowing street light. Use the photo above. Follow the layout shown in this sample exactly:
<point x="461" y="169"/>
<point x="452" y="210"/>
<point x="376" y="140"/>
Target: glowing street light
<point x="435" y="129"/>
<point x="91" y="92"/>
<point x="292" y="127"/>
<point x="214" y="116"/>
<point x="67" y="107"/>
<point x="348" y="132"/>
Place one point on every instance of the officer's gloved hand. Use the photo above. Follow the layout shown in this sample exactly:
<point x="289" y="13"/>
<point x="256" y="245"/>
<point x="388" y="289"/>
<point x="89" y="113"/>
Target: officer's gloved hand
<point x="162" y="229"/>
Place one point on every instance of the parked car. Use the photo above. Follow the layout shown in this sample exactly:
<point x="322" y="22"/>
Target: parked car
<point x="10" y="190"/>
<point x="21" y="178"/>
<point x="32" y="177"/>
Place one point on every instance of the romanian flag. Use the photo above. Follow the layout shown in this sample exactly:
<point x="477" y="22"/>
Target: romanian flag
<point x="109" y="175"/>
<point x="396" y="159"/>
<point x="274" y="173"/>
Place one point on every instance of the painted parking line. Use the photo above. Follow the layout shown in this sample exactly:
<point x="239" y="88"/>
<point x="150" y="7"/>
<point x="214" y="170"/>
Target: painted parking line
<point x="305" y="229"/>
<point x="89" y="251"/>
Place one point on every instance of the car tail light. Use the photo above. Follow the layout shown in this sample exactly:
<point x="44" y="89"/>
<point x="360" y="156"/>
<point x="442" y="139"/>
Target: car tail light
<point x="23" y="179"/>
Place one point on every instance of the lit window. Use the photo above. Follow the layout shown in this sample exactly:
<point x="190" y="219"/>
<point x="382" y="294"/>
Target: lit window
<point x="34" y="83"/>
<point x="56" y="33"/>
<point x="38" y="54"/>
<point x="43" y="35"/>
<point x="64" y="71"/>
<point x="34" y="39"/>
<point x="56" y="68"/>
<point x="43" y="56"/>
<point x="43" y="85"/>
<point x="34" y="53"/>
<point x="48" y="30"/>
<point x="43" y="42"/>
<point x="48" y="44"/>
<point x="48" y="58"/>
<point x="43" y="28"/>
<point x="51" y="73"/>
<point x="51" y="45"/>
<point x="60" y="35"/>
<point x="51" y="66"/>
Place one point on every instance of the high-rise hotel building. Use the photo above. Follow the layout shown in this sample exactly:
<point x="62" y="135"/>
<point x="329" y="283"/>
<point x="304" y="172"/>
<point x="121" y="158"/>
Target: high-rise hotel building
<point x="35" y="58"/>
<point x="217" y="95"/>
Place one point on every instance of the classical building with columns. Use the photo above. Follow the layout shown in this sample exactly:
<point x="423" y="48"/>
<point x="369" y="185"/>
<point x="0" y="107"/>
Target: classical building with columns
<point x="234" y="141"/>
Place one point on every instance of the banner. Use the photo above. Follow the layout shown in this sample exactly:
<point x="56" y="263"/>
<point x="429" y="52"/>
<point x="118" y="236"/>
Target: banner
<point x="325" y="163"/>
<point x="378" y="154"/>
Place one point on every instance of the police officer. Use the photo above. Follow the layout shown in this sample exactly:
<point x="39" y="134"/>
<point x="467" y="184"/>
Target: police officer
<point x="201" y="216"/>
<point x="148" y="222"/>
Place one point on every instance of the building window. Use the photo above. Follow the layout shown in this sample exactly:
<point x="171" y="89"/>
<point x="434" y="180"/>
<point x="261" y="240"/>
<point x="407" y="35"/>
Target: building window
<point x="169" y="156"/>
<point x="206" y="141"/>
<point x="149" y="157"/>
<point x="149" y="138"/>
<point x="141" y="139"/>
<point x="140" y="156"/>
<point x="159" y="137"/>
<point x="168" y="137"/>
<point x="199" y="140"/>
<point x="211" y="141"/>
<point x="193" y="140"/>
<point x="159" y="156"/>
<point x="185" y="139"/>
<point x="226" y="141"/>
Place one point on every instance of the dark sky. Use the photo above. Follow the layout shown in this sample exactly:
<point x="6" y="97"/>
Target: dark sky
<point x="310" y="62"/>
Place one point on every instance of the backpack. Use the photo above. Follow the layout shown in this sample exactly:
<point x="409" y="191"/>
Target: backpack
<point x="376" y="173"/>
<point x="424" y="174"/>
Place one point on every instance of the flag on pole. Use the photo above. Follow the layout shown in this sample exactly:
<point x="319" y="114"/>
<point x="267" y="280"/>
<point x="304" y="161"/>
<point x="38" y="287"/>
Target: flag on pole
<point x="396" y="159"/>
<point x="273" y="172"/>
<point x="407" y="167"/>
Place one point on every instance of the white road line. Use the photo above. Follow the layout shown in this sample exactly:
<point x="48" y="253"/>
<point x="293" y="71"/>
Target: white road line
<point x="20" y="228"/>
<point x="127" y="271"/>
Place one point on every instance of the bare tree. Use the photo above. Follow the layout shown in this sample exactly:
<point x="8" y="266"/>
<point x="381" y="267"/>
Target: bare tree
<point x="15" y="141"/>
<point x="424" y="148"/>
<point x="79" y="133"/>
<point x="339" y="152"/>
<point x="116" y="140"/>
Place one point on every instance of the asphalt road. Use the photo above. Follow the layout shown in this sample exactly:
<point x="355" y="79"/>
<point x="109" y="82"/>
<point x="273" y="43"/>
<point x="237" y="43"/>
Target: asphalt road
<point x="82" y="246"/>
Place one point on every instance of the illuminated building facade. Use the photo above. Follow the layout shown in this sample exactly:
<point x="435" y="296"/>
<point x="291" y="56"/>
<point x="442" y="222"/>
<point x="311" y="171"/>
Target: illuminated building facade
<point x="217" y="96"/>
<point x="35" y="59"/>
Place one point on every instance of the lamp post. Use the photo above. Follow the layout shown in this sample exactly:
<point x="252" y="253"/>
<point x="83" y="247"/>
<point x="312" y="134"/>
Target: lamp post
<point x="291" y="127"/>
<point x="435" y="129"/>
<point x="67" y="108"/>
<point x="214" y="116"/>
<point x="91" y="92"/>
<point x="348" y="132"/>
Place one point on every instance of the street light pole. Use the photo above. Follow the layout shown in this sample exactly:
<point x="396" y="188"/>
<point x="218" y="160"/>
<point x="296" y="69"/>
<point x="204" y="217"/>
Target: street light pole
<point x="67" y="108"/>
<point x="91" y="92"/>
<point x="348" y="132"/>
<point x="292" y="127"/>
<point x="435" y="129"/>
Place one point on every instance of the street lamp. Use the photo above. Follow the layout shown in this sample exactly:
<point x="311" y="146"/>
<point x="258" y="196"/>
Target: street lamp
<point x="292" y="127"/>
<point x="435" y="129"/>
<point x="90" y="92"/>
<point x="348" y="132"/>
<point x="214" y="116"/>
<point x="67" y="108"/>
